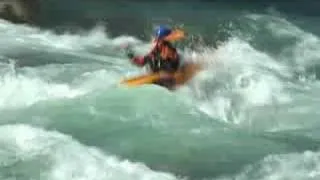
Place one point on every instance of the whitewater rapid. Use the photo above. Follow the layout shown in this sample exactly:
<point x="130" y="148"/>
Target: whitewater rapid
<point x="252" y="114"/>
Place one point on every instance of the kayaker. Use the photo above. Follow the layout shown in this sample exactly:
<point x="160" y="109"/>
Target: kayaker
<point x="164" y="56"/>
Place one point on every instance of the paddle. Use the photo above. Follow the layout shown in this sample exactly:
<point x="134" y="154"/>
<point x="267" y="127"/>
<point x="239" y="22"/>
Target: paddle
<point x="142" y="79"/>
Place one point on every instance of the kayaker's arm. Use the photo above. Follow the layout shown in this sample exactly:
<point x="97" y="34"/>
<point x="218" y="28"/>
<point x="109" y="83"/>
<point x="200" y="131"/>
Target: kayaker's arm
<point x="137" y="60"/>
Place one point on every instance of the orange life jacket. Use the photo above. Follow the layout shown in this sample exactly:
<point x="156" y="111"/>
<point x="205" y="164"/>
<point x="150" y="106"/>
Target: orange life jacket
<point x="165" y="51"/>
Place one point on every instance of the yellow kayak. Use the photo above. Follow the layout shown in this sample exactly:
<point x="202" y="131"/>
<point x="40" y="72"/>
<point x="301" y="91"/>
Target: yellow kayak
<point x="183" y="75"/>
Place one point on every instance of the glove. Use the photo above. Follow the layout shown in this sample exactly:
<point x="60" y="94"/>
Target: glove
<point x="130" y="54"/>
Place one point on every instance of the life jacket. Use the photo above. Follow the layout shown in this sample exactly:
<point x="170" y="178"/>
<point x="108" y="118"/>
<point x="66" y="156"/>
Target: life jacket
<point x="164" y="57"/>
<point x="164" y="51"/>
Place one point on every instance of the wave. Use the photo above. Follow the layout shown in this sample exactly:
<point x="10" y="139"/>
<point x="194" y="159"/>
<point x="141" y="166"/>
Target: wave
<point x="252" y="104"/>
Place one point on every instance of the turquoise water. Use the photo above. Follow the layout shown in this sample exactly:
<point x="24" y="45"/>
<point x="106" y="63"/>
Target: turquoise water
<point x="252" y="114"/>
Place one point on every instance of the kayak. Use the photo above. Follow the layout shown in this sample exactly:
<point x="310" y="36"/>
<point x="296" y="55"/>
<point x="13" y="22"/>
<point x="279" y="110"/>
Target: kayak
<point x="185" y="73"/>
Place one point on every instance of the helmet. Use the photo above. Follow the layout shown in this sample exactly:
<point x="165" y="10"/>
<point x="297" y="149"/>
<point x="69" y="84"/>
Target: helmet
<point x="162" y="32"/>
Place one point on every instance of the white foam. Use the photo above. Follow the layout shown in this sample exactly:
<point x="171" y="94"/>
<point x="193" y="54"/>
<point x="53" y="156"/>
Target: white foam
<point x="21" y="37"/>
<point x="239" y="77"/>
<point x="304" y="49"/>
<point x="66" y="159"/>
<point x="23" y="90"/>
<point x="297" y="166"/>
<point x="20" y="91"/>
<point x="99" y="79"/>
<point x="32" y="36"/>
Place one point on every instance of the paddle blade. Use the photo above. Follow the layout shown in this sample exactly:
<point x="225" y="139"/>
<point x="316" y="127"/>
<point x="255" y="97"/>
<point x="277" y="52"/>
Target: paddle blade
<point x="176" y="35"/>
<point x="140" y="80"/>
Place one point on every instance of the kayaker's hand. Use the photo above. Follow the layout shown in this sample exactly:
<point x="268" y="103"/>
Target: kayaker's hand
<point x="130" y="55"/>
